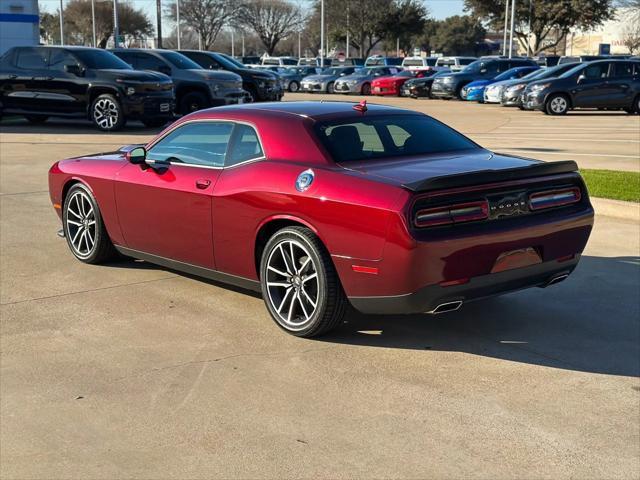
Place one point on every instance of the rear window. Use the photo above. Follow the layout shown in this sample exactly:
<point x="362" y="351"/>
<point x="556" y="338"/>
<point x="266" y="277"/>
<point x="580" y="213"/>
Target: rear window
<point x="389" y="137"/>
<point x="414" y="62"/>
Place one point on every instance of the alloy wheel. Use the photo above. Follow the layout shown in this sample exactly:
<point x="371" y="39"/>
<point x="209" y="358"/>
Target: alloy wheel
<point x="558" y="105"/>
<point x="292" y="284"/>
<point x="80" y="224"/>
<point x="105" y="113"/>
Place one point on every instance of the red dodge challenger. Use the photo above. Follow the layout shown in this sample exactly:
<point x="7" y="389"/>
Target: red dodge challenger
<point x="392" y="85"/>
<point x="324" y="205"/>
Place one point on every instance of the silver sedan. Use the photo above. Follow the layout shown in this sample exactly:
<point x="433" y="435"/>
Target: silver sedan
<point x="325" y="81"/>
<point x="360" y="80"/>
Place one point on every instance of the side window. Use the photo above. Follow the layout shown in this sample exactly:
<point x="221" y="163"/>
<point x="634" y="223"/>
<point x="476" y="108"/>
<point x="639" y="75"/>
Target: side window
<point x="245" y="146"/>
<point x="60" y="58"/>
<point x="205" y="60"/>
<point x="127" y="58"/>
<point x="622" y="70"/>
<point x="597" y="71"/>
<point x="148" y="62"/>
<point x="32" y="58"/>
<point x="202" y="144"/>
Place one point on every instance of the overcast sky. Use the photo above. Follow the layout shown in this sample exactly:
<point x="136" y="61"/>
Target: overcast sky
<point x="439" y="8"/>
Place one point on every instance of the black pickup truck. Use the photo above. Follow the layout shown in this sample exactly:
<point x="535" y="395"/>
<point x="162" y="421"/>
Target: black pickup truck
<point x="42" y="82"/>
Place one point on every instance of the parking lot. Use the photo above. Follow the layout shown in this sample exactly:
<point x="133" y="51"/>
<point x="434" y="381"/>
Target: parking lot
<point x="134" y="371"/>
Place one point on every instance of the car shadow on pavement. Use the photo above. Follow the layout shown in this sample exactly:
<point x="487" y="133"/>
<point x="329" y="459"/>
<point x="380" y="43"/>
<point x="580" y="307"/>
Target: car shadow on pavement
<point x="589" y="323"/>
<point x="71" y="127"/>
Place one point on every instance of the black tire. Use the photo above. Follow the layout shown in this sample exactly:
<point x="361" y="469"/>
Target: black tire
<point x="36" y="119"/>
<point x="330" y="87"/>
<point x="316" y="272"/>
<point x="79" y="198"/>
<point x="154" y="122"/>
<point x="557" y="104"/>
<point x="294" y="86"/>
<point x="192" y="102"/>
<point x="106" y="113"/>
<point x="366" y="89"/>
<point x="635" y="108"/>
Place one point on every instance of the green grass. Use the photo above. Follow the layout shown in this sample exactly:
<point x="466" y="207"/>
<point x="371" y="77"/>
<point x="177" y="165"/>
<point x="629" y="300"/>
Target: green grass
<point x="613" y="184"/>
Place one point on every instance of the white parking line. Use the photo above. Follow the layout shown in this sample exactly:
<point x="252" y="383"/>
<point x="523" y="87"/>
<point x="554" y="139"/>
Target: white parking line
<point x="565" y="154"/>
<point x="579" y="129"/>
<point x="483" y="135"/>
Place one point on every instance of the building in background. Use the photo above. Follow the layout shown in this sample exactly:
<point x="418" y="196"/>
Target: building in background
<point x="19" y="23"/>
<point x="611" y="33"/>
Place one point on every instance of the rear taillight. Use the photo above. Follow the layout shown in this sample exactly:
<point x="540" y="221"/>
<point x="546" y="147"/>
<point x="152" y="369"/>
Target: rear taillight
<point x="450" y="214"/>
<point x="554" y="198"/>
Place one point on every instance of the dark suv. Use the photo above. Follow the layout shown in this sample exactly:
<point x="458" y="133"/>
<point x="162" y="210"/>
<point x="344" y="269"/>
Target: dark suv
<point x="195" y="87"/>
<point x="450" y="86"/>
<point x="604" y="84"/>
<point x="43" y="82"/>
<point x="261" y="85"/>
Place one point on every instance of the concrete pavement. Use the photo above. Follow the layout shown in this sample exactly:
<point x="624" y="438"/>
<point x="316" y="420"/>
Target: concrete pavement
<point x="133" y="371"/>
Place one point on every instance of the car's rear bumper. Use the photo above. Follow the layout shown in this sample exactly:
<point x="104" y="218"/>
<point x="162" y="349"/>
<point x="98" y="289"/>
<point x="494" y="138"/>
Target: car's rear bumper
<point x="428" y="298"/>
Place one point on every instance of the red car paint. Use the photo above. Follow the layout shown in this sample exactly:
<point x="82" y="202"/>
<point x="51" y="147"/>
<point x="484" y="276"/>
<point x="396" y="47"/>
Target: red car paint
<point x="361" y="212"/>
<point x="392" y="85"/>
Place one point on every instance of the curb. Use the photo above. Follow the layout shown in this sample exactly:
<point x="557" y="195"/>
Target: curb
<point x="616" y="209"/>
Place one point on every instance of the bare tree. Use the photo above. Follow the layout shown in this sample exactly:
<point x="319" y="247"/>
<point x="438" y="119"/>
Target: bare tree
<point x="272" y="20"/>
<point x="631" y="37"/>
<point x="205" y="17"/>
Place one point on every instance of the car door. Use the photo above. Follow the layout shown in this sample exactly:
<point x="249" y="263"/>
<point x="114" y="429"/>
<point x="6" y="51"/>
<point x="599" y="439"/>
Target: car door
<point x="65" y="91"/>
<point x="592" y="88"/>
<point x="165" y="205"/>
<point x="29" y="78"/>
<point x="620" y="83"/>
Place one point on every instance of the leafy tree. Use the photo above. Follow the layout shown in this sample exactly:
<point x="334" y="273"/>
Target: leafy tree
<point x="78" y="29"/>
<point x="458" y="35"/>
<point x="551" y="20"/>
<point x="204" y="17"/>
<point x="272" y="20"/>
<point x="405" y="22"/>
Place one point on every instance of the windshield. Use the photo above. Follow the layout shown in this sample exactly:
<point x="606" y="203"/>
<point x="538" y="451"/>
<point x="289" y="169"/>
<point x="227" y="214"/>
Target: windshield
<point x="535" y="74"/>
<point x="391" y="136"/>
<point x="231" y="60"/>
<point x="572" y="71"/>
<point x="508" y="75"/>
<point x="473" y="67"/>
<point x="179" y="61"/>
<point x="101" y="60"/>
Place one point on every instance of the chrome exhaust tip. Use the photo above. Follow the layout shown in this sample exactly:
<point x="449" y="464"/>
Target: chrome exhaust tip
<point x="447" y="307"/>
<point x="557" y="279"/>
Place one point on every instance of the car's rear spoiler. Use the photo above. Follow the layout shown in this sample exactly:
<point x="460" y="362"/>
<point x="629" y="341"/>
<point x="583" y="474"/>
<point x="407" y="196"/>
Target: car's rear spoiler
<point x="491" y="176"/>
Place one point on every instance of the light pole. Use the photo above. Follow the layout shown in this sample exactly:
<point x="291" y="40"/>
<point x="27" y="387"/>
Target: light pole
<point x="243" y="43"/>
<point x="116" y="33"/>
<point x="513" y="24"/>
<point x="93" y="21"/>
<point x="346" y="53"/>
<point x="506" y="23"/>
<point x="233" y="47"/>
<point x="61" y="25"/>
<point x="178" y="22"/>
<point x="529" y="52"/>
<point x="159" y="22"/>
<point x="299" y="46"/>
<point x="322" y="33"/>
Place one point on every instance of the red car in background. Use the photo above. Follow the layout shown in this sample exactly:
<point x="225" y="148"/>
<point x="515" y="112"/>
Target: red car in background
<point x="322" y="205"/>
<point x="393" y="85"/>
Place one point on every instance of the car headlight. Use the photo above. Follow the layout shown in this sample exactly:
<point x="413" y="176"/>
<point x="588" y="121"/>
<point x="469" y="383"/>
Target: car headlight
<point x="447" y="79"/>
<point x="352" y="82"/>
<point x="539" y="87"/>
<point x="515" y="88"/>
<point x="130" y="90"/>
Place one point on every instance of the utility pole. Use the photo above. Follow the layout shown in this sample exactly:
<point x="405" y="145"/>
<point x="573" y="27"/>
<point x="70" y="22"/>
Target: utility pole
<point x="116" y="33"/>
<point x="93" y="21"/>
<point x="243" y="44"/>
<point x="513" y="24"/>
<point x="178" y="22"/>
<point x="299" y="46"/>
<point x="346" y="53"/>
<point x="322" y="33"/>
<point x="397" y="46"/>
<point x="159" y="23"/>
<point x="61" y="24"/>
<point x="529" y="50"/>
<point x="233" y="47"/>
<point x="506" y="23"/>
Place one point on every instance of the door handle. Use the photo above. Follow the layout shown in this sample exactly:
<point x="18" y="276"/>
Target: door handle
<point x="202" y="183"/>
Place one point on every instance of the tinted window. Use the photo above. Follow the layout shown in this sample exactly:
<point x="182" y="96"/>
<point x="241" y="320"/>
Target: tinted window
<point x="289" y="61"/>
<point x="622" y="70"/>
<point x="128" y="58"/>
<point x="413" y="62"/>
<point x="245" y="145"/>
<point x="195" y="144"/>
<point x="100" y="60"/>
<point x="144" y="61"/>
<point x="597" y="71"/>
<point x="271" y="61"/>
<point x="204" y="60"/>
<point x="393" y="136"/>
<point x="466" y="61"/>
<point x="32" y="58"/>
<point x="60" y="58"/>
<point x="178" y="60"/>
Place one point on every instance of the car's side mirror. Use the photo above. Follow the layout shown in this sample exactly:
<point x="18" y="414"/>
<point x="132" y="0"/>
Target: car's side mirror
<point x="137" y="156"/>
<point x="582" y="78"/>
<point x="74" y="70"/>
